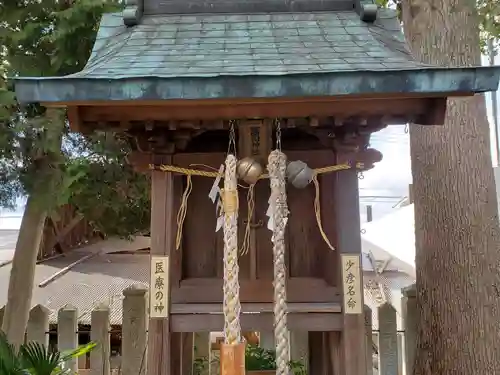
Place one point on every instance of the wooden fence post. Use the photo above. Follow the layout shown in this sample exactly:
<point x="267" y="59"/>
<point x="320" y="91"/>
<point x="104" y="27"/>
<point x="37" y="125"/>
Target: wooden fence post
<point x="299" y="347"/>
<point x="134" y="331"/>
<point x="400" y="354"/>
<point x="267" y="340"/>
<point x="388" y="340"/>
<point x="67" y="333"/>
<point x="409" y="305"/>
<point x="99" y="333"/>
<point x="38" y="325"/>
<point x="369" y="340"/>
<point x="202" y="349"/>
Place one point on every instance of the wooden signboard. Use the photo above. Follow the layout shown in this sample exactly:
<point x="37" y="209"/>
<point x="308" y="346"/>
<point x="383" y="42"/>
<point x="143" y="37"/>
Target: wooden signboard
<point x="158" y="287"/>
<point x="255" y="139"/>
<point x="351" y="281"/>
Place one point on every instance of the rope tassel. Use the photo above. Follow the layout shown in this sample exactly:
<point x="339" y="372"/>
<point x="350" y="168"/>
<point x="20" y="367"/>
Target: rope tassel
<point x="231" y="286"/>
<point x="277" y="169"/>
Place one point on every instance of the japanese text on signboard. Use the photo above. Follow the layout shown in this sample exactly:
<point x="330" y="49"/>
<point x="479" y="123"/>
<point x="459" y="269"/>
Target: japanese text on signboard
<point x="158" y="288"/>
<point x="351" y="279"/>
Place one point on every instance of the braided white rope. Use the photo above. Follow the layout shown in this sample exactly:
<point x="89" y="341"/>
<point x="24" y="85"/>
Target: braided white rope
<point x="277" y="167"/>
<point x="231" y="285"/>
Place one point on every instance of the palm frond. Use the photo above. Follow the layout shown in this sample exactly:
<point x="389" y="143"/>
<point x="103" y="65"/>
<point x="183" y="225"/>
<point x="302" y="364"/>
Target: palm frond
<point x="39" y="360"/>
<point x="10" y="363"/>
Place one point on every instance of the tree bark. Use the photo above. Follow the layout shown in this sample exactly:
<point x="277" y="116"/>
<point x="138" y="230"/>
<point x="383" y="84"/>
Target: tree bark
<point x="22" y="274"/>
<point x="456" y="217"/>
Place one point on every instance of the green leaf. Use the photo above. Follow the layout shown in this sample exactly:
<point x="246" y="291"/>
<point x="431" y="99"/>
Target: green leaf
<point x="80" y="351"/>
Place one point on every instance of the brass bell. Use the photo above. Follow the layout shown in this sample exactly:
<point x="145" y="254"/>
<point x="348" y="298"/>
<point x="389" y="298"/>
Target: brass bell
<point x="299" y="174"/>
<point x="249" y="170"/>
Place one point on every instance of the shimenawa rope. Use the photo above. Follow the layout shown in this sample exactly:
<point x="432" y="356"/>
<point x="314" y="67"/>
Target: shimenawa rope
<point x="198" y="172"/>
<point x="277" y="169"/>
<point x="231" y="286"/>
<point x="250" y="197"/>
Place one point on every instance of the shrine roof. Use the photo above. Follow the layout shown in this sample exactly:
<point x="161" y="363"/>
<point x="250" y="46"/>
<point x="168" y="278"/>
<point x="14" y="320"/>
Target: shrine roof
<point x="203" y="56"/>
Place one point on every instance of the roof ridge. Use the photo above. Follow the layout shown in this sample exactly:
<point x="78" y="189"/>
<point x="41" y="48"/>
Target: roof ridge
<point x="132" y="14"/>
<point x="367" y="10"/>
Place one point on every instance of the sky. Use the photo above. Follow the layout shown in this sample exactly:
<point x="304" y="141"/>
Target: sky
<point x="387" y="183"/>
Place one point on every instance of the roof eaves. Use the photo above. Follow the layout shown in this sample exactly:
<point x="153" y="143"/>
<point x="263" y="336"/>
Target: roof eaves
<point x="431" y="81"/>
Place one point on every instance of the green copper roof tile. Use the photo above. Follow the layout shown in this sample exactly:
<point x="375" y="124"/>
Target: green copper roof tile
<point x="200" y="56"/>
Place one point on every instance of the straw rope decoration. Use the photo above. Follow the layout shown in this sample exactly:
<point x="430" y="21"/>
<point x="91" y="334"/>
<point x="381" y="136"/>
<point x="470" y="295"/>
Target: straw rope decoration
<point x="277" y="168"/>
<point x="245" y="247"/>
<point x="317" y="211"/>
<point x="189" y="172"/>
<point x="231" y="286"/>
<point x="181" y="214"/>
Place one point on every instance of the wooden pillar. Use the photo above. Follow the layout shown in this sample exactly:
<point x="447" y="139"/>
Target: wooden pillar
<point x="349" y="249"/>
<point x="187" y="343"/>
<point x="162" y="243"/>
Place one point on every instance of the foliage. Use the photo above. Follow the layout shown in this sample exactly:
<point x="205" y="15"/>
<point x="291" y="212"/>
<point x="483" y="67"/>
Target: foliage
<point x="38" y="153"/>
<point x="488" y="11"/>
<point x="122" y="194"/>
<point x="256" y="359"/>
<point x="35" y="359"/>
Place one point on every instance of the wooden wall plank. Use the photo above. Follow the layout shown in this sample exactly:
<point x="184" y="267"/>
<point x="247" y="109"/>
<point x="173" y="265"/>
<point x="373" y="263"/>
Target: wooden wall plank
<point x="209" y="290"/>
<point x="264" y="252"/>
<point x="200" y="240"/>
<point x="177" y="254"/>
<point x="303" y="237"/>
<point x="257" y="322"/>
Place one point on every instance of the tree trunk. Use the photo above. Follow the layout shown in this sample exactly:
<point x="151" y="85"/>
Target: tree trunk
<point x="456" y="217"/>
<point x="22" y="274"/>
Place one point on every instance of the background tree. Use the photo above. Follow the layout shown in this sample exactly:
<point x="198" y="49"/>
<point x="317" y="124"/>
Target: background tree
<point x="40" y="158"/>
<point x="456" y="218"/>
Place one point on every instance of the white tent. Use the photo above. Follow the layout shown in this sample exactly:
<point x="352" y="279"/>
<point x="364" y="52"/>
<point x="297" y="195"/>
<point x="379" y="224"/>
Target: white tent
<point x="391" y="239"/>
<point x="388" y="246"/>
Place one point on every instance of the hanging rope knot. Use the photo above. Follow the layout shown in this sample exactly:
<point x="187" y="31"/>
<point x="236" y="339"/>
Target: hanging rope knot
<point x="277" y="170"/>
<point x="229" y="201"/>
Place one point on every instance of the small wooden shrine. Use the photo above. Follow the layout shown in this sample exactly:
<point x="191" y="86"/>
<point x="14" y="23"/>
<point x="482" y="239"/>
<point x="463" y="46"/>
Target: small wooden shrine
<point x="254" y="118"/>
